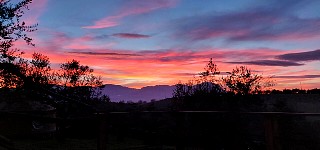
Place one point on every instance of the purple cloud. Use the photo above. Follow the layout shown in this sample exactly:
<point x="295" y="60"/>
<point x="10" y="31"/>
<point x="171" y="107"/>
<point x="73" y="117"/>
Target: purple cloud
<point x="250" y="25"/>
<point x="134" y="7"/>
<point x="99" y="37"/>
<point x="269" y="63"/>
<point x="130" y="35"/>
<point x="104" y="54"/>
<point x="298" y="77"/>
<point x="302" y="56"/>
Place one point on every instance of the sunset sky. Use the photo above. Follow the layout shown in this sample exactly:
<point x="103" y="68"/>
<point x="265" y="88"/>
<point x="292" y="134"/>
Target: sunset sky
<point x="137" y="43"/>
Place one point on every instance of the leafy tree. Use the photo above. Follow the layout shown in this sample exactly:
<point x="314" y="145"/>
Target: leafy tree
<point x="79" y="82"/>
<point x="11" y="30"/>
<point x="40" y="70"/>
<point x="25" y="74"/>
<point x="10" y="75"/>
<point x="74" y="74"/>
<point x="181" y="90"/>
<point x="211" y="70"/>
<point x="35" y="78"/>
<point x="197" y="93"/>
<point x="243" y="81"/>
<point x="11" y="27"/>
<point x="77" y="85"/>
<point x="36" y="72"/>
<point x="206" y="84"/>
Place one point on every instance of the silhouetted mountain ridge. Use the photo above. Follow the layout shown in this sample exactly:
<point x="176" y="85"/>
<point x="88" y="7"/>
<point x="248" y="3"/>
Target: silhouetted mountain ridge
<point x="148" y="93"/>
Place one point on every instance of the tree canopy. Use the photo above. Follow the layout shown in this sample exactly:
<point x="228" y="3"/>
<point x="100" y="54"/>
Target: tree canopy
<point x="11" y="30"/>
<point x="243" y="81"/>
<point x="240" y="81"/>
<point x="72" y="83"/>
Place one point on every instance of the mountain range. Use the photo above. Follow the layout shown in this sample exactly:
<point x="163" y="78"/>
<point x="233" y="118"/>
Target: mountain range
<point x="121" y="93"/>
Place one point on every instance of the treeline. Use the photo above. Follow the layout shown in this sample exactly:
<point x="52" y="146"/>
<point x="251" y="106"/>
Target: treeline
<point x="71" y="89"/>
<point x="240" y="81"/>
<point x="238" y="90"/>
<point x="294" y="91"/>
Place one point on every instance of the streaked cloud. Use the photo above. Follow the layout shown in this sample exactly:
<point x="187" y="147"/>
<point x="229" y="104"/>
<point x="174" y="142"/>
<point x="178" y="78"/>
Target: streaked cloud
<point x="254" y="24"/>
<point x="269" y="63"/>
<point x="169" y="66"/>
<point x="103" y="54"/>
<point x="130" y="35"/>
<point x="299" y="77"/>
<point x="271" y="37"/>
<point x="134" y="7"/>
<point x="301" y="56"/>
<point x="37" y="7"/>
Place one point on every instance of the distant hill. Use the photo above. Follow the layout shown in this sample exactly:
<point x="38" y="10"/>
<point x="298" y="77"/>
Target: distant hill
<point x="121" y="93"/>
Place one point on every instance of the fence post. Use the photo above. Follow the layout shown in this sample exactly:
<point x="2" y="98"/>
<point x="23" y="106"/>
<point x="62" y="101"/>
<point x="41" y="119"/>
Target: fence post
<point x="272" y="132"/>
<point x="102" y="131"/>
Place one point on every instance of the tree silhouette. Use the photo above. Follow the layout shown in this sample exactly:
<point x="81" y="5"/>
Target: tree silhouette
<point x="10" y="76"/>
<point x="206" y="84"/>
<point x="243" y="81"/>
<point x="25" y="74"/>
<point x="74" y="74"/>
<point x="78" y="81"/>
<point x="38" y="70"/>
<point x="11" y="30"/>
<point x="205" y="88"/>
<point x="211" y="70"/>
<point x="11" y="27"/>
<point x="36" y="77"/>
<point x="211" y="92"/>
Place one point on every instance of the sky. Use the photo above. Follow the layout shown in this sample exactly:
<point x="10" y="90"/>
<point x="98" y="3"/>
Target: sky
<point x="137" y="43"/>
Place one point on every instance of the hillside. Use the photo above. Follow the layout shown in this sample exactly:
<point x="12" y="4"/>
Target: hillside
<point x="120" y="93"/>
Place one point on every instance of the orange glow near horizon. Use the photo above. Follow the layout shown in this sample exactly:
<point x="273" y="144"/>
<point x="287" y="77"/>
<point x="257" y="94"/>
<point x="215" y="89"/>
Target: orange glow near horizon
<point x="145" y="43"/>
<point x="170" y="67"/>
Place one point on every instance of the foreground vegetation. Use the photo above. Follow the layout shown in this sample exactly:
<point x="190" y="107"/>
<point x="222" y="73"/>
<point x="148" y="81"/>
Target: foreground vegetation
<point x="209" y="112"/>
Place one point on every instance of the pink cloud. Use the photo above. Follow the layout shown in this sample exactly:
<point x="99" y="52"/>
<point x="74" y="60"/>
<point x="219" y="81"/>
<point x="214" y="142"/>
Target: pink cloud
<point x="62" y="41"/>
<point x="37" y="7"/>
<point x="141" y="68"/>
<point x="135" y="7"/>
<point x="103" y="23"/>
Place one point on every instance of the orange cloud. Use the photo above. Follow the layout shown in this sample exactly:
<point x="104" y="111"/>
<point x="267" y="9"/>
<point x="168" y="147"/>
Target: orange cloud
<point x="144" y="68"/>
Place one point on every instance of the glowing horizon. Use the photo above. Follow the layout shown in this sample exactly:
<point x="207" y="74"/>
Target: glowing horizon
<point x="143" y="43"/>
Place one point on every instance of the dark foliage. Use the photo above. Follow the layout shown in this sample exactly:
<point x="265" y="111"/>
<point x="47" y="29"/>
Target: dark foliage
<point x="72" y="88"/>
<point x="242" y="81"/>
